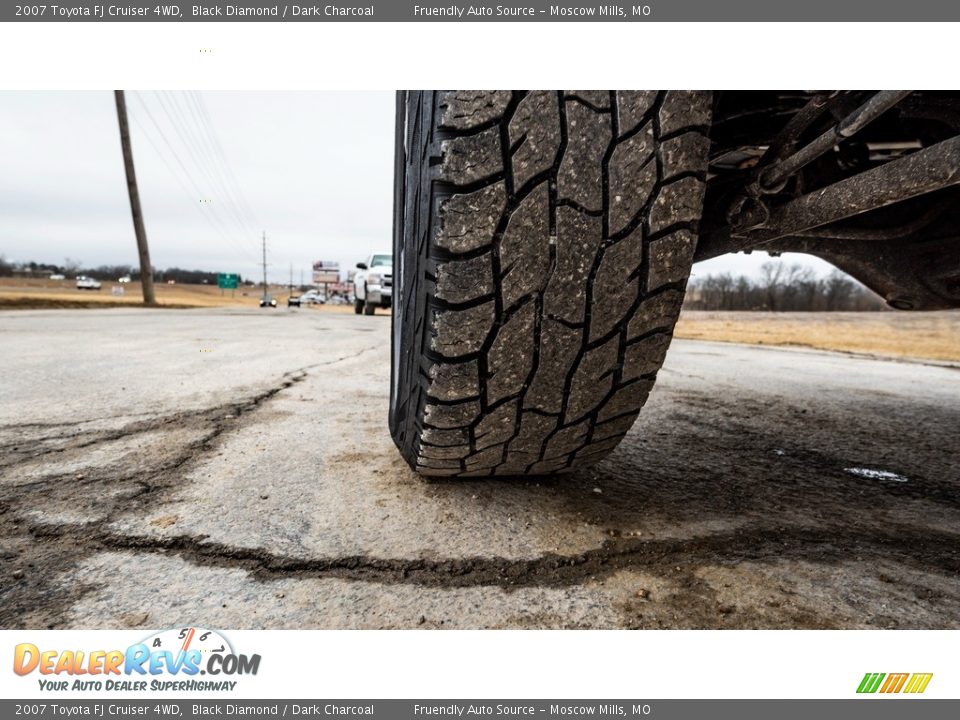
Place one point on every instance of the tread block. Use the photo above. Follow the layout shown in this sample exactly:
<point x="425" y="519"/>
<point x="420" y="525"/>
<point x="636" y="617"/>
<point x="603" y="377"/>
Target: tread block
<point x="488" y="458"/>
<point x="598" y="98"/>
<point x="546" y="467"/>
<point x="435" y="472"/>
<point x="678" y="202"/>
<point x="461" y="332"/>
<point x="578" y="240"/>
<point x="645" y="356"/>
<point x="511" y="355"/>
<point x="681" y="109"/>
<point x="452" y="416"/>
<point x="680" y="153"/>
<point x="657" y="311"/>
<point x="533" y="429"/>
<point x="632" y="108"/>
<point x="614" y="288"/>
<point x="566" y="441"/>
<point x="438" y="463"/>
<point x="580" y="177"/>
<point x="516" y="463"/>
<point x="534" y="132"/>
<point x="445" y="437"/>
<point x="497" y="426"/>
<point x="627" y="399"/>
<point x="525" y="247"/>
<point x="471" y="158"/>
<point x="670" y="258"/>
<point x="468" y="221"/>
<point x="592" y="380"/>
<point x="460" y="281"/>
<point x="611" y="428"/>
<point x="633" y="176"/>
<point x="454" y="381"/>
<point x="466" y="109"/>
<point x="559" y="346"/>
<point x="456" y="452"/>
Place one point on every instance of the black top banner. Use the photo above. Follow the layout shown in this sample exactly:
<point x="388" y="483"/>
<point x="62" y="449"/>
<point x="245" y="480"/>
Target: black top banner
<point x="529" y="11"/>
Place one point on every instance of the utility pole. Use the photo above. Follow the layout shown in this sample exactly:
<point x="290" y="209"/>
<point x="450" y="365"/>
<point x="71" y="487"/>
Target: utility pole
<point x="146" y="269"/>
<point x="291" y="278"/>
<point x="264" y="265"/>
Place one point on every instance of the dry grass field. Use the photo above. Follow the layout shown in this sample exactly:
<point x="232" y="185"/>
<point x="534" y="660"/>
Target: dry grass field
<point x="928" y="336"/>
<point x="34" y="293"/>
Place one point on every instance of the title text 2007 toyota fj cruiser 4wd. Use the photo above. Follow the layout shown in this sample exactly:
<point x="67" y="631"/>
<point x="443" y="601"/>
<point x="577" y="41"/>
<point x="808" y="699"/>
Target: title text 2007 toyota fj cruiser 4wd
<point x="543" y="242"/>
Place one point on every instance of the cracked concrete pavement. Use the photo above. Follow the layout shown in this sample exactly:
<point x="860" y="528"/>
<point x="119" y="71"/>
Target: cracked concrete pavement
<point x="232" y="468"/>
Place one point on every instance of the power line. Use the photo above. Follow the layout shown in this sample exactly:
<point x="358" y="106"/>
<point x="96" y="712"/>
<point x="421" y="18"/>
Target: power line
<point x="179" y="180"/>
<point x="212" y="215"/>
<point x="202" y="106"/>
<point x="202" y="161"/>
<point x="220" y="164"/>
<point x="209" y="207"/>
<point x="202" y="157"/>
<point x="192" y="141"/>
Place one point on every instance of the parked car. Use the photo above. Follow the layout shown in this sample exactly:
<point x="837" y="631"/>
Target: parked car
<point x="58" y="276"/>
<point x="87" y="283"/>
<point x="124" y="279"/>
<point x="310" y="297"/>
<point x="373" y="285"/>
<point x="544" y="241"/>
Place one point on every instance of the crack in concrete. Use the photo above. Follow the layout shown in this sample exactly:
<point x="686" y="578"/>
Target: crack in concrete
<point x="902" y="543"/>
<point x="34" y="552"/>
<point x="14" y="456"/>
<point x="39" y="552"/>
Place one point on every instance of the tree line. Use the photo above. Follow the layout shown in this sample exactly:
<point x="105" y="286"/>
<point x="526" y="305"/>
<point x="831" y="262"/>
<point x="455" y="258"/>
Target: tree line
<point x="781" y="288"/>
<point x="71" y="268"/>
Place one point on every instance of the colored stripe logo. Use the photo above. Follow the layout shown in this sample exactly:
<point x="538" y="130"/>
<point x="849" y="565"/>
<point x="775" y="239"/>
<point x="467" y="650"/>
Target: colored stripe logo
<point x="913" y="683"/>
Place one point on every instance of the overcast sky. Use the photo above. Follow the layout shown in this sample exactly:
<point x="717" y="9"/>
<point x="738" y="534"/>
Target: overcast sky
<point x="313" y="169"/>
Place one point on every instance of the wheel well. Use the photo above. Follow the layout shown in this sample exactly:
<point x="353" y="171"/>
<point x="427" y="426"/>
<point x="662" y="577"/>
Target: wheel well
<point x="906" y="248"/>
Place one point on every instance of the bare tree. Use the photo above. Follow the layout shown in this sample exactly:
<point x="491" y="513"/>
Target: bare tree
<point x="781" y="288"/>
<point x="794" y="276"/>
<point x="71" y="267"/>
<point x="770" y="274"/>
<point x="837" y="289"/>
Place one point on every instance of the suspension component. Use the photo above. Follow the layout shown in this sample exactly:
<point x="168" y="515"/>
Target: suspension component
<point x="924" y="171"/>
<point x="772" y="178"/>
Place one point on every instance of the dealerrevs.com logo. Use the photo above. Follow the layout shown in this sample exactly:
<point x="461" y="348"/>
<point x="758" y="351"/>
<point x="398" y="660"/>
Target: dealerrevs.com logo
<point x="169" y="660"/>
<point x="910" y="683"/>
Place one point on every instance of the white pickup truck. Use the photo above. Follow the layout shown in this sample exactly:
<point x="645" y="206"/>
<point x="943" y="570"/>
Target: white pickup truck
<point x="373" y="284"/>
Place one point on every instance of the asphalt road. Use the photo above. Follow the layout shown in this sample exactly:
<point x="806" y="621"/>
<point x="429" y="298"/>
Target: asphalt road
<point x="233" y="469"/>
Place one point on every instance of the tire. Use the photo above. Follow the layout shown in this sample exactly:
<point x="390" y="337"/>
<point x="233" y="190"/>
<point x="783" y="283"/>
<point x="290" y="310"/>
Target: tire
<point x="543" y="242"/>
<point x="369" y="308"/>
<point x="357" y="306"/>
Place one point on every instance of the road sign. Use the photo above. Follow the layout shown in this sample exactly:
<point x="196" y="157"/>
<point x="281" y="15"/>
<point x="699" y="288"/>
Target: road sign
<point x="227" y="281"/>
<point x="326" y="271"/>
